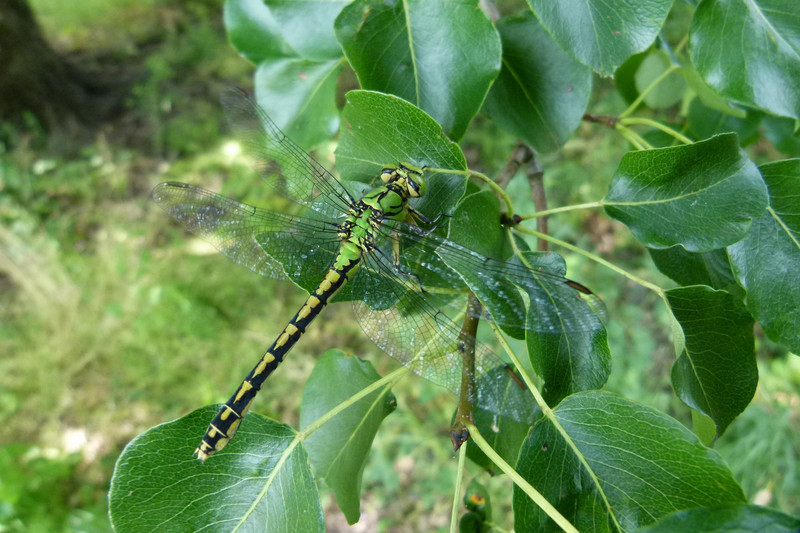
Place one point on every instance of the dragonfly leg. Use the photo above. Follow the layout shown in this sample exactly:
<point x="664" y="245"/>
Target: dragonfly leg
<point x="416" y="215"/>
<point x="398" y="267"/>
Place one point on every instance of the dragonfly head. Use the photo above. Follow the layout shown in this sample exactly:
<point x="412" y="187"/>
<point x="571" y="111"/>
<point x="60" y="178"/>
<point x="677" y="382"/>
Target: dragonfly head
<point x="408" y="175"/>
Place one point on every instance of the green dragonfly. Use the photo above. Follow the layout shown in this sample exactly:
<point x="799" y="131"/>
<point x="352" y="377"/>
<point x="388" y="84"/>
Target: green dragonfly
<point x="386" y="257"/>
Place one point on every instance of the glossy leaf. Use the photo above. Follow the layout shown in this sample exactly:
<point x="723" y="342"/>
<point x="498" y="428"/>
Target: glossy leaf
<point x="568" y="361"/>
<point x="750" y="52"/>
<point x="783" y="133"/>
<point x="476" y="224"/>
<point x="707" y="95"/>
<point x="669" y="91"/>
<point x="340" y="448"/>
<point x="254" y="32"/>
<point x="299" y="96"/>
<point x="711" y="268"/>
<point x="646" y="465"/>
<point x="602" y="34"/>
<point x="729" y="518"/>
<point x="702" y="196"/>
<point x="307" y="25"/>
<point x="440" y="56"/>
<point x="378" y="129"/>
<point x="503" y="434"/>
<point x="261" y="481"/>
<point x="705" y="122"/>
<point x="716" y="371"/>
<point x="541" y="92"/>
<point x="625" y="77"/>
<point x="767" y="261"/>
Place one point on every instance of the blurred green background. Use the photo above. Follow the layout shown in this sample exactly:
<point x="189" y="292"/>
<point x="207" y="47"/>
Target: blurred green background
<point x="112" y="319"/>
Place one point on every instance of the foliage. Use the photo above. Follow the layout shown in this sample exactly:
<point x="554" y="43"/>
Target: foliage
<point x="701" y="196"/>
<point x="595" y="460"/>
<point x="704" y="188"/>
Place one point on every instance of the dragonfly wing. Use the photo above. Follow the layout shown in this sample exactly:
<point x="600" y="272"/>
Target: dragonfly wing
<point x="561" y="321"/>
<point x="255" y="238"/>
<point x="420" y="336"/>
<point x="556" y="304"/>
<point x="285" y="166"/>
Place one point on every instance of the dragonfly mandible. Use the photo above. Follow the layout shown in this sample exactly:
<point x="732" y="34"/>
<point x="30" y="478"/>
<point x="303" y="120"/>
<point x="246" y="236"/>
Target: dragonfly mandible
<point x="378" y="252"/>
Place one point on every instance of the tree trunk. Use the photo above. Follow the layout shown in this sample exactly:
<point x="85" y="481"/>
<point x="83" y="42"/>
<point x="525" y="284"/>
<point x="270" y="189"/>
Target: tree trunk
<point x="68" y="102"/>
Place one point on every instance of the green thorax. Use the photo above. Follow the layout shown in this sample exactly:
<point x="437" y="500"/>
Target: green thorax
<point x="387" y="202"/>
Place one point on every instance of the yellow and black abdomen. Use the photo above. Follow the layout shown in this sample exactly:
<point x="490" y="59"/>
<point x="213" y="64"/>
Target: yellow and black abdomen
<point x="227" y="421"/>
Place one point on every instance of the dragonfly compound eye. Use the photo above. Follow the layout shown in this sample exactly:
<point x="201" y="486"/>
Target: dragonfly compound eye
<point x="414" y="182"/>
<point x="388" y="173"/>
<point x="416" y="185"/>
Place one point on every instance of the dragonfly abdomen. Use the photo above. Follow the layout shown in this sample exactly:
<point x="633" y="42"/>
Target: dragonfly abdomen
<point x="224" y="426"/>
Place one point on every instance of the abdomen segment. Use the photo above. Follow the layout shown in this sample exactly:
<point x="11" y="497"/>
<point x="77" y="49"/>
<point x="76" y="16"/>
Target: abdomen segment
<point x="226" y="423"/>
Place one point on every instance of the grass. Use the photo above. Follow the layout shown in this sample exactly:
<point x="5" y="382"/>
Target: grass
<point x="113" y="319"/>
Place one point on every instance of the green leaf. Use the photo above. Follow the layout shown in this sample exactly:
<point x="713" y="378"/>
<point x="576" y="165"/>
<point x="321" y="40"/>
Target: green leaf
<point x="568" y="361"/>
<point x="711" y="268"/>
<point x="703" y="426"/>
<point x="441" y="56"/>
<point x="767" y="261"/>
<point x="602" y="33"/>
<point x="254" y="32"/>
<point x="669" y="90"/>
<point x="541" y="92"/>
<point x="728" y="518"/>
<point x="646" y="465"/>
<point x="783" y="133"/>
<point x="708" y="95"/>
<point x="307" y="25"/>
<point x="503" y="434"/>
<point x="625" y="77"/>
<point x="716" y="371"/>
<point x="378" y="129"/>
<point x="261" y="481"/>
<point x="339" y="449"/>
<point x="475" y="223"/>
<point x="299" y="96"/>
<point x="750" y="52"/>
<point x="705" y="122"/>
<point x="702" y="196"/>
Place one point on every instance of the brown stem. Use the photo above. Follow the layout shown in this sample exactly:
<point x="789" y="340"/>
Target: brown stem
<point x="606" y="120"/>
<point x="466" y="346"/>
<point x="535" y="176"/>
<point x="520" y="154"/>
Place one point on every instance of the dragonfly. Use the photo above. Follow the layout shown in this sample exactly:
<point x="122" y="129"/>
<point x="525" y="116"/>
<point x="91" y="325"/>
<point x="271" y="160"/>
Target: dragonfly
<point x="376" y="250"/>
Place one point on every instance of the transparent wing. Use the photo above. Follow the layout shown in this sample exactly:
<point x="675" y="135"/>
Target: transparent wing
<point x="285" y="166"/>
<point x="402" y="309"/>
<point x="506" y="288"/>
<point x="245" y="233"/>
<point x="420" y="336"/>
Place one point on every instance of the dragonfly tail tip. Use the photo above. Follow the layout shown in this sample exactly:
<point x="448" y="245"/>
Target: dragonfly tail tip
<point x="201" y="455"/>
